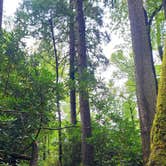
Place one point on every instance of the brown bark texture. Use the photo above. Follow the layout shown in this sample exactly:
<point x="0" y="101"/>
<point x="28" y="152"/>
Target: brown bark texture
<point x="146" y="85"/>
<point x="164" y="7"/>
<point x="87" y="148"/>
<point x="34" y="156"/>
<point x="72" y="54"/>
<point x="158" y="133"/>
<point x="1" y="12"/>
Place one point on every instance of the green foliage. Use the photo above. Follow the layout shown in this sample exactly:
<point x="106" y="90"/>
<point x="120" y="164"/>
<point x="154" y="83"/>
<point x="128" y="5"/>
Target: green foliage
<point x="151" y="6"/>
<point x="157" y="31"/>
<point x="72" y="146"/>
<point x="116" y="133"/>
<point x="117" y="145"/>
<point x="26" y="92"/>
<point x="28" y="88"/>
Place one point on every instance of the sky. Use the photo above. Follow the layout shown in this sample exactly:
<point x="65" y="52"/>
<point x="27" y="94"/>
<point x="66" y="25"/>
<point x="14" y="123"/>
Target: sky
<point x="10" y="7"/>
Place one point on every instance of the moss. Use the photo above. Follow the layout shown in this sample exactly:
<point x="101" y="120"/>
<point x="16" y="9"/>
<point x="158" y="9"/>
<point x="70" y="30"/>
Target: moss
<point x="158" y="133"/>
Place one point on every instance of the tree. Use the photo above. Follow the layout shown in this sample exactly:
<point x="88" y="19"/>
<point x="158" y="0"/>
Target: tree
<point x="164" y="6"/>
<point x="158" y="133"/>
<point x="155" y="23"/>
<point x="87" y="149"/>
<point x="24" y="101"/>
<point x="57" y="92"/>
<point x="34" y="156"/>
<point x="72" y="63"/>
<point x="146" y="86"/>
<point x="1" y="12"/>
<point x="33" y="90"/>
<point x="72" y="54"/>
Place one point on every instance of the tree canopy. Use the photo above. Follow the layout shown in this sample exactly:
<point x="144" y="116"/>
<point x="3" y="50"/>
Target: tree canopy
<point x="66" y="100"/>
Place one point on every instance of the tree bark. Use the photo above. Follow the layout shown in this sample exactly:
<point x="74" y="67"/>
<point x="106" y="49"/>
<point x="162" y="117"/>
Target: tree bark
<point x="44" y="148"/>
<point x="146" y="84"/>
<point x="87" y="149"/>
<point x="158" y="133"/>
<point x="72" y="66"/>
<point x="164" y="7"/>
<point x="158" y="34"/>
<point x="72" y="53"/>
<point x="1" y="12"/>
<point x="34" y="157"/>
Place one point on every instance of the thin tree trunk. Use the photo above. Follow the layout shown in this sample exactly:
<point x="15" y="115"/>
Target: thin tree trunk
<point x="160" y="51"/>
<point x="145" y="75"/>
<point x="44" y="147"/>
<point x="72" y="54"/>
<point x="87" y="149"/>
<point x="164" y="7"/>
<point x="57" y="93"/>
<point x="72" y="66"/>
<point x="158" y="133"/>
<point x="158" y="34"/>
<point x="48" y="144"/>
<point x="34" y="157"/>
<point x="131" y="114"/>
<point x="1" y="12"/>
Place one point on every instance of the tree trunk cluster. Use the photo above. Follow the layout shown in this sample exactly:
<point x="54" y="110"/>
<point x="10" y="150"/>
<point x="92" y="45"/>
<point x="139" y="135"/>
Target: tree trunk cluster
<point x="146" y="84"/>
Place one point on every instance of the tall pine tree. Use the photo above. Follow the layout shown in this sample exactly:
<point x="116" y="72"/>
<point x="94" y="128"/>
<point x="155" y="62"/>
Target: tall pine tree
<point x="87" y="149"/>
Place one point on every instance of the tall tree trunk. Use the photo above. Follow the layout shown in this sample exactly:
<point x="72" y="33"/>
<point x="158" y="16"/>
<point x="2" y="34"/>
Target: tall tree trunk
<point x="145" y="75"/>
<point x="72" y="54"/>
<point x="158" y="133"/>
<point x="72" y="66"/>
<point x="1" y="12"/>
<point x="87" y="149"/>
<point x="34" y="156"/>
<point x="164" y="6"/>
<point x="57" y="93"/>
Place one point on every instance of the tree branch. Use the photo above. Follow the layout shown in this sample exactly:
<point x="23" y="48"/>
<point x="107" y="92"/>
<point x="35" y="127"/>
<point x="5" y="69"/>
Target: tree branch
<point x="155" y="12"/>
<point x="13" y="111"/>
<point x="20" y="156"/>
<point x="5" y="157"/>
<point x="47" y="128"/>
<point x="36" y="136"/>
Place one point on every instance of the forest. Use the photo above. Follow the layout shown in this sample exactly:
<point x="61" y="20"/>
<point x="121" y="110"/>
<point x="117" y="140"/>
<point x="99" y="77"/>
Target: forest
<point x="83" y="83"/>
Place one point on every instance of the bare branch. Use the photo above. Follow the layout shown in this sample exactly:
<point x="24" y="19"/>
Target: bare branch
<point x="155" y="12"/>
<point x="47" y="128"/>
<point x="13" y="111"/>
